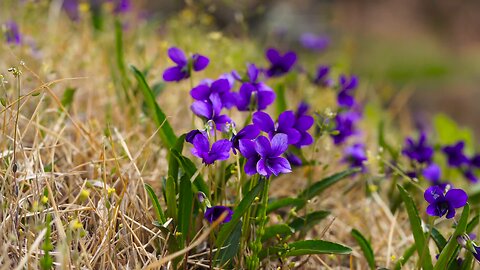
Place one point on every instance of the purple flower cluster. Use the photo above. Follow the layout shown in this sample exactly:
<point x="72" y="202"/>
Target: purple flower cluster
<point x="279" y="64"/>
<point x="253" y="94"/>
<point x="420" y="151"/>
<point x="456" y="158"/>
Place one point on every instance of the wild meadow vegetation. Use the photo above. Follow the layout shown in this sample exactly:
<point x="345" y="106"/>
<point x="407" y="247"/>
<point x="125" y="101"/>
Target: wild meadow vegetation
<point x="131" y="143"/>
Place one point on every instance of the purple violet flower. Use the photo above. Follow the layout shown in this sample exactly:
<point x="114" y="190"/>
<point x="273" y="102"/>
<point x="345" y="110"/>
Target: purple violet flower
<point x="314" y="42"/>
<point x="71" y="8"/>
<point x="455" y="155"/>
<point x="263" y="156"/>
<point x="201" y="148"/>
<point x="345" y="95"/>
<point x="303" y="122"/>
<point x="321" y="77"/>
<point x="214" y="213"/>
<point x="345" y="126"/>
<point x="221" y="87"/>
<point x="441" y="204"/>
<point x="121" y="6"/>
<point x="12" y="33"/>
<point x="470" y="175"/>
<point x="421" y="151"/>
<point x="184" y="65"/>
<point x="355" y="156"/>
<point x="253" y="92"/>
<point x="210" y="111"/>
<point x="191" y="135"/>
<point x="475" y="161"/>
<point x="279" y="64"/>
<point x="249" y="132"/>
<point x="285" y="125"/>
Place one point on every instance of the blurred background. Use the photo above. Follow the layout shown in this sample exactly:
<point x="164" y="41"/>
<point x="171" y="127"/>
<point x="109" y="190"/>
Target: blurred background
<point x="427" y="51"/>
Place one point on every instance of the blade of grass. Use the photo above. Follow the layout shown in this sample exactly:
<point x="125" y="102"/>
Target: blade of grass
<point x="365" y="246"/>
<point x="156" y="203"/>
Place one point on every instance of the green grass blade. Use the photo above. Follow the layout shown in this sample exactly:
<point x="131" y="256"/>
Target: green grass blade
<point x="156" y="204"/>
<point x="283" y="202"/>
<point x="449" y="250"/>
<point x="190" y="169"/>
<point x="405" y="257"/>
<point x="171" y="198"/>
<point x="440" y="241"/>
<point x="185" y="208"/>
<point x="280" y="99"/>
<point x="238" y="213"/>
<point x="227" y="253"/>
<point x="281" y="230"/>
<point x="473" y="223"/>
<point x="309" y="220"/>
<point x="317" y="188"/>
<point x="67" y="98"/>
<point x="366" y="247"/>
<point x="307" y="247"/>
<point x="416" y="225"/>
<point x="166" y="132"/>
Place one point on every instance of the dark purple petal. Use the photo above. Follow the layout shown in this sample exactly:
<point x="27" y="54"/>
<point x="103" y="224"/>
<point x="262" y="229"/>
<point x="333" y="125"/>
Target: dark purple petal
<point x="470" y="175"/>
<point x="265" y="98"/>
<point x="293" y="135"/>
<point x="314" y="42"/>
<point x="203" y="109"/>
<point x="279" y="145"/>
<point x="216" y="103"/>
<point x="201" y="146"/>
<point x="200" y="62"/>
<point x="432" y="172"/>
<point x="247" y="148"/>
<point x="475" y="161"/>
<point x="293" y="159"/>
<point x="279" y="165"/>
<point x="249" y="132"/>
<point x="201" y="92"/>
<point x="304" y="123"/>
<point x="262" y="146"/>
<point x="432" y="210"/>
<point x="286" y="120"/>
<point x="122" y="6"/>
<point x="177" y="56"/>
<point x="456" y="198"/>
<point x="263" y="121"/>
<point x="174" y="74"/>
<point x="289" y="60"/>
<point x="221" y="122"/>
<point x="190" y="135"/>
<point x="262" y="168"/>
<point x="306" y="139"/>
<point x="272" y="55"/>
<point x="433" y="194"/>
<point x="252" y="73"/>
<point x="251" y="166"/>
<point x="12" y="33"/>
<point x="214" y="213"/>
<point x="244" y="97"/>
<point x="220" y="86"/>
<point x="221" y="149"/>
<point x="450" y="212"/>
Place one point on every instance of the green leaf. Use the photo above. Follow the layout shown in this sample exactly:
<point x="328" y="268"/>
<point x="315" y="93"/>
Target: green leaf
<point x="473" y="223"/>
<point x="365" y="246"/>
<point x="306" y="247"/>
<point x="190" y="169"/>
<point x="228" y="252"/>
<point x="67" y="98"/>
<point x="448" y="252"/>
<point x="416" y="225"/>
<point x="166" y="132"/>
<point x="283" y="202"/>
<point x="185" y="208"/>
<point x="156" y="204"/>
<point x="120" y="57"/>
<point x="281" y="230"/>
<point x="405" y="257"/>
<point x="308" y="221"/>
<point x="280" y="99"/>
<point x="440" y="241"/>
<point x="238" y="213"/>
<point x="320" y="186"/>
<point x="171" y="198"/>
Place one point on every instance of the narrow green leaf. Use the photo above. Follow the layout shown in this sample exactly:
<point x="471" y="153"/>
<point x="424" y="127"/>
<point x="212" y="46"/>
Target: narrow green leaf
<point x="190" y="169"/>
<point x="227" y="253"/>
<point x="316" y="247"/>
<point x="281" y="230"/>
<point x="366" y="247"/>
<point x="317" y="188"/>
<point x="166" y="132"/>
<point x="185" y="207"/>
<point x="473" y="223"/>
<point x="440" y="241"/>
<point x="449" y="250"/>
<point x="238" y="213"/>
<point x="171" y="198"/>
<point x="67" y="98"/>
<point x="283" y="202"/>
<point x="156" y="204"/>
<point x="405" y="257"/>
<point x="416" y="225"/>
<point x="308" y="221"/>
<point x="467" y="262"/>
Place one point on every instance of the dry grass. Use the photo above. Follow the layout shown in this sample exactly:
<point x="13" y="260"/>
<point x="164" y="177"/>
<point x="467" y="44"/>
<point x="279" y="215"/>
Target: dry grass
<point x="94" y="180"/>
